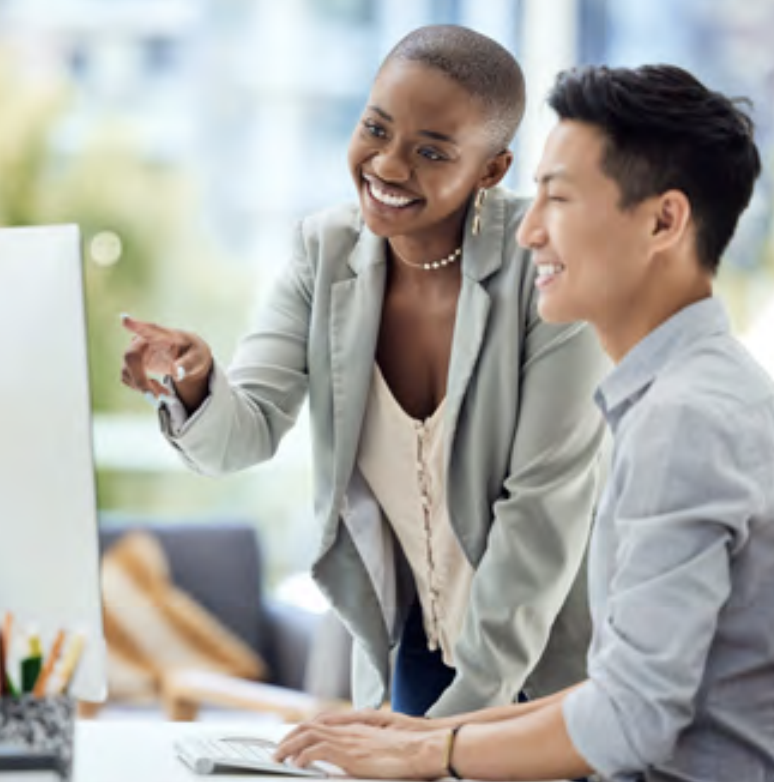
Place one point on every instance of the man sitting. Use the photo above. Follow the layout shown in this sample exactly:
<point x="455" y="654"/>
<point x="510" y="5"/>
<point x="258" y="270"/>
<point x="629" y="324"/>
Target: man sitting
<point x="640" y="187"/>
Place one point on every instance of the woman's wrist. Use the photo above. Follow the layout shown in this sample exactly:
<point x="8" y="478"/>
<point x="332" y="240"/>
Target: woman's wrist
<point x="192" y="389"/>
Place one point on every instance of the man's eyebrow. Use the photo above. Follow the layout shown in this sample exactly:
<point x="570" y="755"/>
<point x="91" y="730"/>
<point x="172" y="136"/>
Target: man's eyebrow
<point x="549" y="176"/>
<point x="434" y="134"/>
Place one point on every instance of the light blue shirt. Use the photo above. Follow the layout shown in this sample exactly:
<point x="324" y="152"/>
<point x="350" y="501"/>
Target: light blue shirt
<point x="681" y="568"/>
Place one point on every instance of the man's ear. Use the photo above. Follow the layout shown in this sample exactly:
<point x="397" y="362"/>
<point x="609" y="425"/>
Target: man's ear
<point x="496" y="168"/>
<point x="671" y="219"/>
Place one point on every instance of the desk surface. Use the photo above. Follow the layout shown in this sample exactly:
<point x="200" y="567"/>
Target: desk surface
<point x="142" y="751"/>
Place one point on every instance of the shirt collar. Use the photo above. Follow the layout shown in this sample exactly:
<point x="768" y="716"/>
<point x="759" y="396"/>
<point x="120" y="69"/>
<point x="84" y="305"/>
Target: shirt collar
<point x="639" y="367"/>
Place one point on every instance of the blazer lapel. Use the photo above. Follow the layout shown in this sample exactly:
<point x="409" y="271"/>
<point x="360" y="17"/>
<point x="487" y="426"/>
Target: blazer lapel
<point x="356" y="311"/>
<point x="472" y="316"/>
<point x="482" y="256"/>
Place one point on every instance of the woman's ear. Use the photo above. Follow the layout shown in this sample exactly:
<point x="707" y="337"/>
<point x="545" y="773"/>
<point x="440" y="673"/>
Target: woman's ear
<point x="496" y="168"/>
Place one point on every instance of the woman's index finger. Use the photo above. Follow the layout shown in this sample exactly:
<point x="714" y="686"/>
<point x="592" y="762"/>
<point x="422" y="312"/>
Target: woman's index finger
<point x="148" y="331"/>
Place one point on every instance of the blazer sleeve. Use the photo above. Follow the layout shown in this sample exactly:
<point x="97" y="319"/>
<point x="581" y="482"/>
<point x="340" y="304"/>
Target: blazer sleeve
<point x="540" y="525"/>
<point x="256" y="401"/>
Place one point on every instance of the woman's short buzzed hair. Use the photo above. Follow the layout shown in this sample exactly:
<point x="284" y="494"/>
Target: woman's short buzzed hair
<point x="480" y="65"/>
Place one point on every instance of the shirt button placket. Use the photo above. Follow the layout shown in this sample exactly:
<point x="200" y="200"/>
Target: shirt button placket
<point x="425" y="500"/>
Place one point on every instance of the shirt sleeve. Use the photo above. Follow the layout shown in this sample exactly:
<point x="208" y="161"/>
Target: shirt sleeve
<point x="256" y="401"/>
<point x="683" y="497"/>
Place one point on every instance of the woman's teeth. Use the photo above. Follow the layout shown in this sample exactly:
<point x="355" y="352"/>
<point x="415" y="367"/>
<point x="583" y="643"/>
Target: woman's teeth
<point x="388" y="199"/>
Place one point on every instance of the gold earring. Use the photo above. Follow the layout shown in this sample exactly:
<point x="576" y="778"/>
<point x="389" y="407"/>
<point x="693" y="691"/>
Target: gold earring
<point x="479" y="203"/>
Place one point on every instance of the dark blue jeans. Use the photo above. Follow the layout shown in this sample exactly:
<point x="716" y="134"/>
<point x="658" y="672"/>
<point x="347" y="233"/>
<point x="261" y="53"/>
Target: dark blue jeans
<point x="420" y="675"/>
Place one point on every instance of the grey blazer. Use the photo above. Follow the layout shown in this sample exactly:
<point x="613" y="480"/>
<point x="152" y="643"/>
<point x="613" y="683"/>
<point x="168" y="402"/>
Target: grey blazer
<point x="522" y="463"/>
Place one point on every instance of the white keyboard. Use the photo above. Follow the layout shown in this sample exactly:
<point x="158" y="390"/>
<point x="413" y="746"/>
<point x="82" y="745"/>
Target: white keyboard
<point x="208" y="755"/>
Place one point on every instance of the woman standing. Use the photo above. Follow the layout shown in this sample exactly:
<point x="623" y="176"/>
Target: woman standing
<point x="454" y="439"/>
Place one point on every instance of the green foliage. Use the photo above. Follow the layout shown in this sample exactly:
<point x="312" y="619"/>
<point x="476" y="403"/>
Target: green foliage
<point x="107" y="185"/>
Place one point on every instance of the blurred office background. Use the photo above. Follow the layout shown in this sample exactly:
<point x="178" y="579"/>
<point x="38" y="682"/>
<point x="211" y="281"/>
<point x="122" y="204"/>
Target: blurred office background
<point x="187" y="136"/>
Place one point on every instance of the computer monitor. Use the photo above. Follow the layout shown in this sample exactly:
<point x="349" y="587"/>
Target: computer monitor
<point x="49" y="568"/>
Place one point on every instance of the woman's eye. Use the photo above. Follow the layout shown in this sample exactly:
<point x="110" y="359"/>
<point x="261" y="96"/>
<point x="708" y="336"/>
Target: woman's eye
<point x="431" y="154"/>
<point x="377" y="131"/>
<point x="556" y="199"/>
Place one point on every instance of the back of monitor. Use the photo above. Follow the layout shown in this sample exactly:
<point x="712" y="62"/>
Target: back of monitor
<point x="49" y="568"/>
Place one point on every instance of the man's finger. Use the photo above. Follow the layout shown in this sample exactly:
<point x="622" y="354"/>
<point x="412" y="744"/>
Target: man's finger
<point x="363" y="716"/>
<point x="323" y="750"/>
<point x="296" y="740"/>
<point x="300" y="738"/>
<point x="297" y="731"/>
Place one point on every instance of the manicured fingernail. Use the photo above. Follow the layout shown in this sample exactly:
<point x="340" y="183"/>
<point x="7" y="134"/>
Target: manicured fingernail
<point x="151" y="399"/>
<point x="180" y="374"/>
<point x="166" y="398"/>
<point x="125" y="315"/>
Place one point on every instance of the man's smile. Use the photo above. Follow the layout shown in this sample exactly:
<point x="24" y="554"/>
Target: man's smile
<point x="547" y="273"/>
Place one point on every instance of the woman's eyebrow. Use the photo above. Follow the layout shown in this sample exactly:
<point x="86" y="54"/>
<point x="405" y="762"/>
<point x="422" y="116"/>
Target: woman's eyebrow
<point x="433" y="134"/>
<point x="382" y="113"/>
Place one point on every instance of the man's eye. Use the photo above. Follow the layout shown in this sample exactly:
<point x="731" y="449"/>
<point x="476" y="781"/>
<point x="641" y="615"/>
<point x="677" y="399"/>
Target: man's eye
<point x="557" y="199"/>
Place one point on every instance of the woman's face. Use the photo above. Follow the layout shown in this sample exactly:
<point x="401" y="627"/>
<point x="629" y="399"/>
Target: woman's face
<point x="420" y="150"/>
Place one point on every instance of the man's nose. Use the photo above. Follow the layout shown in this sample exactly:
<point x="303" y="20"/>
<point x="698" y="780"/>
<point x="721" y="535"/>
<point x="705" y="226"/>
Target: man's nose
<point x="530" y="233"/>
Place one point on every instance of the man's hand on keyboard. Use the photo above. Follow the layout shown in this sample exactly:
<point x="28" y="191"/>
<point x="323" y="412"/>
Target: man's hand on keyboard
<point x="368" y="752"/>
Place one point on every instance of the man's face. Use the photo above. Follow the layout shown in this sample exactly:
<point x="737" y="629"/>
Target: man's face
<point x="418" y="152"/>
<point x="591" y="256"/>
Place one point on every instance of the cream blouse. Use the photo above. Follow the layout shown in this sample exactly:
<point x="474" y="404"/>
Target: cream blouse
<point x="402" y="460"/>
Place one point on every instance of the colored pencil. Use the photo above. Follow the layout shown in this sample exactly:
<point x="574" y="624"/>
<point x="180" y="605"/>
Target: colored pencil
<point x="56" y="647"/>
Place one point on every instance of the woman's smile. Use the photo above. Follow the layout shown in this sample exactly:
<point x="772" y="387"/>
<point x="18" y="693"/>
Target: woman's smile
<point x="388" y="195"/>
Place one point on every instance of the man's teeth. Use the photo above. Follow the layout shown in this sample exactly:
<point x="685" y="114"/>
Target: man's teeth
<point x="386" y="198"/>
<point x="549" y="269"/>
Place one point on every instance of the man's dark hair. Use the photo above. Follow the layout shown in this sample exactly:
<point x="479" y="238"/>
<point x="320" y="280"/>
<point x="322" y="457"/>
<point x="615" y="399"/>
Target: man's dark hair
<point x="484" y="68"/>
<point x="665" y="130"/>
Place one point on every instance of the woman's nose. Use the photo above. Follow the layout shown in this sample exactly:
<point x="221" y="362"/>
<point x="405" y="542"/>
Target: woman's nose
<point x="392" y="165"/>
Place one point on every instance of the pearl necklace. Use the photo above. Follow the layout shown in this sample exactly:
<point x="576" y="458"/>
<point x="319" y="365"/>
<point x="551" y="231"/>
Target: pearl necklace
<point x="433" y="265"/>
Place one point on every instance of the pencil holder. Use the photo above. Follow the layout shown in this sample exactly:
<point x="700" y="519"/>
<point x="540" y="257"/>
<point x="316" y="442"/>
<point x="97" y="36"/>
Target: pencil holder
<point x="38" y="732"/>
